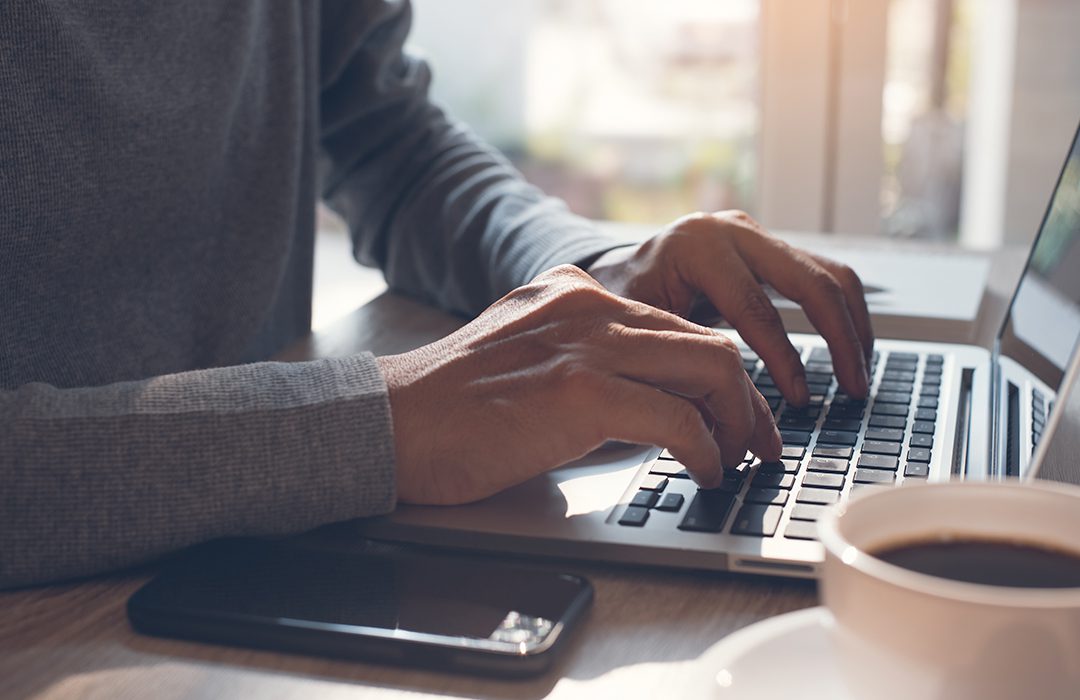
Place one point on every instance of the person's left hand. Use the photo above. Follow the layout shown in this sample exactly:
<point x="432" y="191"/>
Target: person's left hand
<point x="727" y="256"/>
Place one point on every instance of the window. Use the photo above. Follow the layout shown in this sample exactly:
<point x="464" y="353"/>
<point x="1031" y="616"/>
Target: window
<point x="831" y="115"/>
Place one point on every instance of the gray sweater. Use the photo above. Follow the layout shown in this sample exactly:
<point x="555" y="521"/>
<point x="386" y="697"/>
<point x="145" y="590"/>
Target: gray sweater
<point x="160" y="163"/>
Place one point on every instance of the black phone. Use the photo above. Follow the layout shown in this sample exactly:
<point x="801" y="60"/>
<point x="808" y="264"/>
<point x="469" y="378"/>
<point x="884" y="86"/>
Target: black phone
<point x="451" y="612"/>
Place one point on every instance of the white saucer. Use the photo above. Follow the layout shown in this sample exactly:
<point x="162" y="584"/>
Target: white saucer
<point x="784" y="656"/>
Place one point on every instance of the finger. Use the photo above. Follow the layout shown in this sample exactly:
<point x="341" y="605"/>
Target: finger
<point x="635" y="412"/>
<point x="636" y="314"/>
<point x="766" y="442"/>
<point x="856" y="301"/>
<point x="705" y="368"/>
<point x="737" y="294"/>
<point x="800" y="278"/>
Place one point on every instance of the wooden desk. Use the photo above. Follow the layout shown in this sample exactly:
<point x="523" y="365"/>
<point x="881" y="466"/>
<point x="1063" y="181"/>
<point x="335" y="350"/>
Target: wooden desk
<point x="648" y="635"/>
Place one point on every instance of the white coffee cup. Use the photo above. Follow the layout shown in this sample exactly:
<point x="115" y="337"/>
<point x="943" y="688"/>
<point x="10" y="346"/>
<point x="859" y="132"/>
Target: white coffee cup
<point x="903" y="634"/>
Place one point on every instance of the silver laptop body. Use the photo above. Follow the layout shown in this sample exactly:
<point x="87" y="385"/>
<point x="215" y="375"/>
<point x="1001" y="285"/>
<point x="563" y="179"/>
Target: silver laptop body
<point x="998" y="412"/>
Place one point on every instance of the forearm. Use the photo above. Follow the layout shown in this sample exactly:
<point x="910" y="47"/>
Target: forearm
<point x="444" y="215"/>
<point x="95" y="479"/>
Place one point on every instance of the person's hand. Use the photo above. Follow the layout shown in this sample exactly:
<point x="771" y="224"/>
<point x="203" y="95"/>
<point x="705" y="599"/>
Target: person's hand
<point x="552" y="371"/>
<point x="726" y="257"/>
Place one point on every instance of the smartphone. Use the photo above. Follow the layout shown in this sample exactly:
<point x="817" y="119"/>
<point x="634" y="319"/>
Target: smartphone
<point x="442" y="611"/>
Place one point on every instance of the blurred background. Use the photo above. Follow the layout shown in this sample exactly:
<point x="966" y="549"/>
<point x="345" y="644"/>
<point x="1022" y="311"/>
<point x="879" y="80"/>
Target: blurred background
<point x="929" y="119"/>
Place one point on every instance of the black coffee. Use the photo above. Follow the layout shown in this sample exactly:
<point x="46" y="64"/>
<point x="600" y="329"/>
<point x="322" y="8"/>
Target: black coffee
<point x="990" y="562"/>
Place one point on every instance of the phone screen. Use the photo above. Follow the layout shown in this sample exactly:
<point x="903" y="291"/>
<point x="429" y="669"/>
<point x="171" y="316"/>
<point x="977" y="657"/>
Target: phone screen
<point x="429" y="595"/>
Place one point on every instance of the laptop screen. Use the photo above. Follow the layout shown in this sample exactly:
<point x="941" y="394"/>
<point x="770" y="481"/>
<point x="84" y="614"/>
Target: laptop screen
<point x="1043" y="324"/>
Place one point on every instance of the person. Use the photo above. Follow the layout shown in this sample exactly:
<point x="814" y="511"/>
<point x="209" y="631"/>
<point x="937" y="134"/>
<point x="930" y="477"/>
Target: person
<point x="159" y="173"/>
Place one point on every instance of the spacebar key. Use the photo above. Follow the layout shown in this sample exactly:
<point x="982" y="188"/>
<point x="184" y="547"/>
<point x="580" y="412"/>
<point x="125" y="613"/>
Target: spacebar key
<point x="708" y="511"/>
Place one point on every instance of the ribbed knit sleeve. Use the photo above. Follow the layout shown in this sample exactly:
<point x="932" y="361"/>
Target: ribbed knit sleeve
<point x="445" y="216"/>
<point x="99" y="478"/>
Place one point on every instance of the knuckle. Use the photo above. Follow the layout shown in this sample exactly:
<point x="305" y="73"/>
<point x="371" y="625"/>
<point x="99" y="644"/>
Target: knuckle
<point x="848" y="277"/>
<point x="725" y="354"/>
<point x="573" y="296"/>
<point x="827" y="285"/>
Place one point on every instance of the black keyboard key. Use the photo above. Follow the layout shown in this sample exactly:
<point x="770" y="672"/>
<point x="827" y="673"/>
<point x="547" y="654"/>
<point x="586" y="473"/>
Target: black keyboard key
<point x="897" y="376"/>
<point x="825" y="464"/>
<point x="807" y="511"/>
<point x="904" y="356"/>
<point x="818" y="387"/>
<point x="775" y="497"/>
<point x="788" y="422"/>
<point x="846" y="412"/>
<point x="921" y="440"/>
<point x="671" y="503"/>
<point x="837" y="437"/>
<point x="884" y="434"/>
<point x="653" y="482"/>
<point x="775" y="480"/>
<point x="878" y="462"/>
<point x="801" y="530"/>
<point x="833" y="452"/>
<point x="764" y="380"/>
<point x="805" y="411"/>
<point x="819" y="378"/>
<point x="730" y="483"/>
<point x="923" y="426"/>
<point x="895" y="422"/>
<point x="931" y="380"/>
<point x="932" y="371"/>
<point x="917" y="470"/>
<point x="819" y="367"/>
<point x="774" y="404"/>
<point x="795" y="437"/>
<point x="793" y="452"/>
<point x="889" y="409"/>
<point x="842" y="399"/>
<point x="707" y="511"/>
<point x="822" y="480"/>
<point x="824" y="497"/>
<point x="878" y="447"/>
<point x="928" y="402"/>
<point x="934" y="391"/>
<point x="893" y="397"/>
<point x="784" y="466"/>
<point x="770" y="392"/>
<point x="848" y="424"/>
<point x="935" y="360"/>
<point x="645" y="499"/>
<point x="927" y="414"/>
<point x="757" y="520"/>
<point x="874" y="476"/>
<point x="634" y="516"/>
<point x="894" y="366"/>
<point x="902" y="387"/>
<point x="918" y="454"/>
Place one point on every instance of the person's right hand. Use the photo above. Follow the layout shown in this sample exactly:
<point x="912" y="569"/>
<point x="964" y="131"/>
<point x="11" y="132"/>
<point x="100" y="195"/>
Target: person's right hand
<point x="552" y="371"/>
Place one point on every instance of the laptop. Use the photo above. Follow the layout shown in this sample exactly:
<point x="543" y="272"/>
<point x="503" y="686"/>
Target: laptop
<point x="936" y="412"/>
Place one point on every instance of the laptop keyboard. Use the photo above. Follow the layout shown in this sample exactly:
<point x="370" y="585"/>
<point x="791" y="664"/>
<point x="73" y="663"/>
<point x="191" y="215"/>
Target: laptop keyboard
<point x="833" y="447"/>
